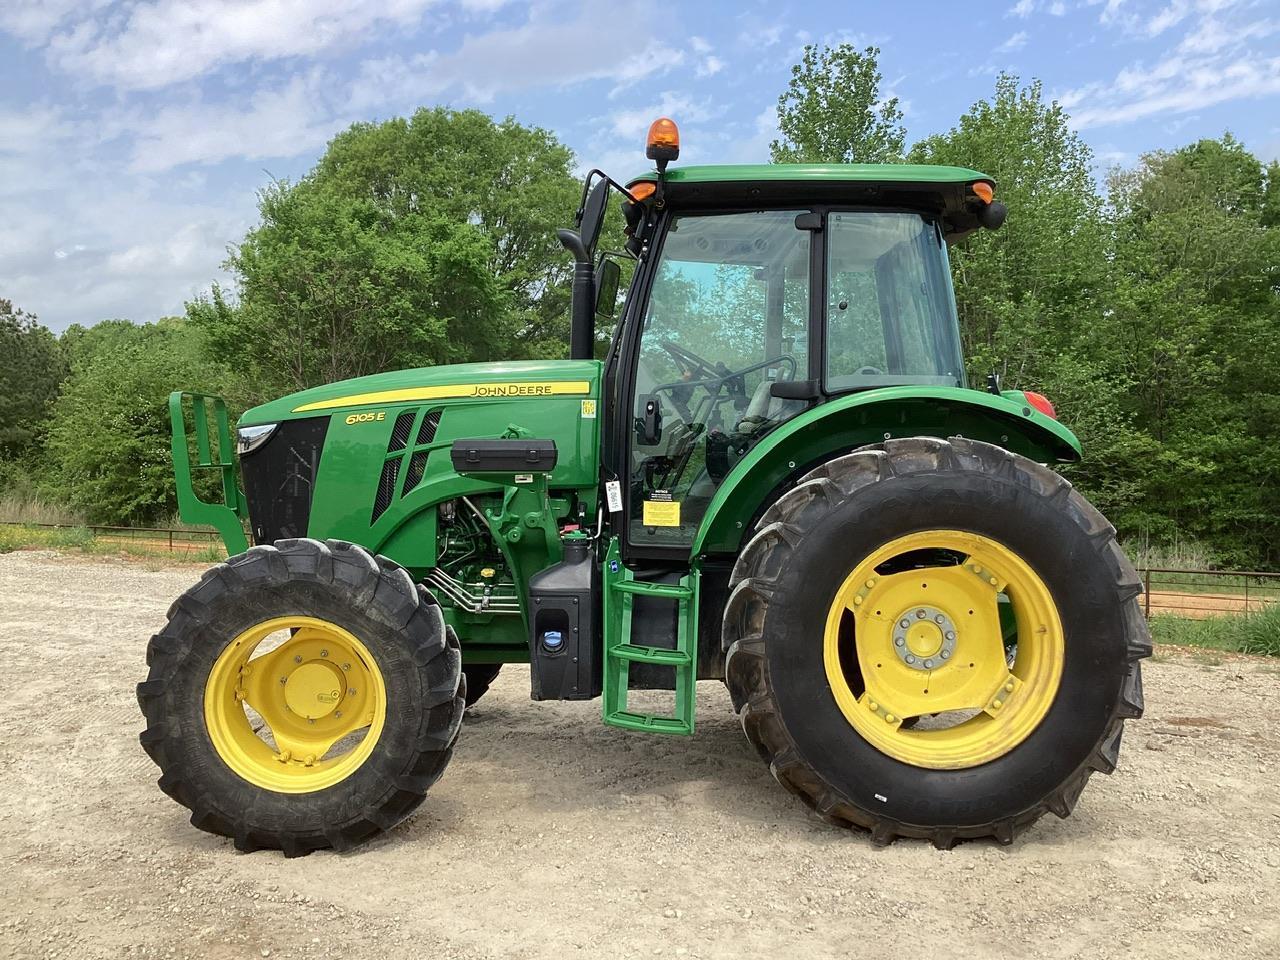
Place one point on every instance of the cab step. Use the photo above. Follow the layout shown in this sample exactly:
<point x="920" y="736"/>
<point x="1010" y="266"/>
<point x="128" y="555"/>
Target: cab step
<point x="620" y="590"/>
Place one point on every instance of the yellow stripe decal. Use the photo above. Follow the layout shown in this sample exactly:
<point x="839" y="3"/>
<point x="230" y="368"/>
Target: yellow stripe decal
<point x="535" y="388"/>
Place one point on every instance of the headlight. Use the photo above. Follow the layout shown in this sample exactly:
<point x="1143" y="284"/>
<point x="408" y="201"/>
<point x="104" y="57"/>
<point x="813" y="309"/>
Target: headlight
<point x="249" y="439"/>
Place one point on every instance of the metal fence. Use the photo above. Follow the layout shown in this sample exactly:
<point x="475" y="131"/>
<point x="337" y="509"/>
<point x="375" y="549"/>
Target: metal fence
<point x="1193" y="594"/>
<point x="174" y="539"/>
<point x="1199" y="594"/>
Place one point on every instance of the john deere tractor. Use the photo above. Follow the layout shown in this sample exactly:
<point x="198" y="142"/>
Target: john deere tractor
<point x="778" y="478"/>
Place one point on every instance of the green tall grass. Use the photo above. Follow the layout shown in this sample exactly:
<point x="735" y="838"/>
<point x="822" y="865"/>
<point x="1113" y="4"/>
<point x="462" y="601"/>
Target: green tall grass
<point x="1257" y="633"/>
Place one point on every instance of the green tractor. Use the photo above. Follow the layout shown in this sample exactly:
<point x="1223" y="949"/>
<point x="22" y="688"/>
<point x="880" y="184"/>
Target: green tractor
<point x="777" y="478"/>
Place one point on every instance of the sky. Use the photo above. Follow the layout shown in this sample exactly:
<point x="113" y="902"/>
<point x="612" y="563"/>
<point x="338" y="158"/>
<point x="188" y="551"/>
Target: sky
<point x="135" y="134"/>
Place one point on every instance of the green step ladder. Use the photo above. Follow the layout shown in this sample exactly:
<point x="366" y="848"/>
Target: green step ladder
<point x="620" y="590"/>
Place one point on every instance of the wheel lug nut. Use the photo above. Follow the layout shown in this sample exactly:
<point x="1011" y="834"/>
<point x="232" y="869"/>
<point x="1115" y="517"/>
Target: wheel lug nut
<point x="1009" y="685"/>
<point x="337" y="713"/>
<point x="346" y="666"/>
<point x="324" y="653"/>
<point x="889" y="718"/>
<point x="904" y="624"/>
<point x="351" y="692"/>
<point x="873" y="705"/>
<point x="920" y="614"/>
<point x="899" y="641"/>
<point x="950" y="635"/>
<point x="910" y="659"/>
<point x="297" y="659"/>
<point x="928" y="663"/>
<point x="939" y="618"/>
<point x="945" y="654"/>
<point x="284" y="679"/>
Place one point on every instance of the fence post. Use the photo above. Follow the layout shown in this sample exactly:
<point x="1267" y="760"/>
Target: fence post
<point x="1246" y="595"/>
<point x="1146" y="591"/>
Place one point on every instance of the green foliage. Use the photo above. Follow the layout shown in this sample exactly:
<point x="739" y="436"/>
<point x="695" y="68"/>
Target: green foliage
<point x="1257" y="633"/>
<point x="108" y="444"/>
<point x="413" y="242"/>
<point x="31" y="367"/>
<point x="1195" y="297"/>
<point x="832" y="110"/>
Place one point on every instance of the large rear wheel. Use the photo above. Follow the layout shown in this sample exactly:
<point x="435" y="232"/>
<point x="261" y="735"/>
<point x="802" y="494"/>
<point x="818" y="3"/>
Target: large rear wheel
<point x="935" y="639"/>
<point x="301" y="696"/>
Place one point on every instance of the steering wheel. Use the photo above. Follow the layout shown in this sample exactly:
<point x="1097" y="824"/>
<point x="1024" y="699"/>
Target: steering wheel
<point x="690" y="364"/>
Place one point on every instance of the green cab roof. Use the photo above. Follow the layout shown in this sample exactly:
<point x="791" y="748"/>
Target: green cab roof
<point x="823" y="172"/>
<point x="934" y="190"/>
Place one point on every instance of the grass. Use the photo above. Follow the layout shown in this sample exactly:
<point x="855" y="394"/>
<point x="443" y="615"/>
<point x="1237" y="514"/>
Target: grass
<point x="1257" y="633"/>
<point x="17" y="508"/>
<point x="81" y="540"/>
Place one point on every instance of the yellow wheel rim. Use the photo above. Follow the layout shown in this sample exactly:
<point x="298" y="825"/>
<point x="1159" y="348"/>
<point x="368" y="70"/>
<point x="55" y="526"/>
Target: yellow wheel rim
<point x="915" y="632"/>
<point x="318" y="695"/>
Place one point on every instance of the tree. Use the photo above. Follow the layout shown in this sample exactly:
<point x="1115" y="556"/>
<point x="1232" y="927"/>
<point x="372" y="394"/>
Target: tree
<point x="832" y="110"/>
<point x="1197" y="269"/>
<point x="108" y="442"/>
<point x="412" y="242"/>
<point x="31" y="368"/>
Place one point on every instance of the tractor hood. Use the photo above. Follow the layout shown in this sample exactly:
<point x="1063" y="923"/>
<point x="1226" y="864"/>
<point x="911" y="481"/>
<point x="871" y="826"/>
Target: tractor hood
<point x="461" y="381"/>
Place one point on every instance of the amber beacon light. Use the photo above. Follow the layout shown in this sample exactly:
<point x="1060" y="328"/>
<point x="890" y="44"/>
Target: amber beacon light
<point x="663" y="144"/>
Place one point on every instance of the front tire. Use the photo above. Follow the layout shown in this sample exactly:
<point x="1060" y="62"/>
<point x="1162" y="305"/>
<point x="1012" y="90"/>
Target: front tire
<point x="831" y="622"/>
<point x="353" y="684"/>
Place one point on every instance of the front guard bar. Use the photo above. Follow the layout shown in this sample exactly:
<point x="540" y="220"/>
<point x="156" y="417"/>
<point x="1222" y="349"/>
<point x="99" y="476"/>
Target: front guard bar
<point x="228" y="516"/>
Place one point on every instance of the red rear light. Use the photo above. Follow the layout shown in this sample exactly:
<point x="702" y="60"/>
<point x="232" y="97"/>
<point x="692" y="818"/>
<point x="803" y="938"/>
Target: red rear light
<point x="1040" y="402"/>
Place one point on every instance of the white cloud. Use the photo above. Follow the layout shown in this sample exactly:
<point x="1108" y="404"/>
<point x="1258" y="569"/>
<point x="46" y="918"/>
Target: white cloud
<point x="1213" y="63"/>
<point x="1015" y="42"/>
<point x="154" y="44"/>
<point x="268" y="123"/>
<point x="1174" y="85"/>
<point x="632" y="124"/>
<point x="1022" y="9"/>
<point x="546" y="51"/>
<point x="709" y="66"/>
<point x="1057" y="8"/>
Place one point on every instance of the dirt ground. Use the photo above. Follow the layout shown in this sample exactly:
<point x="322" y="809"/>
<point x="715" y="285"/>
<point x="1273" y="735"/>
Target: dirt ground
<point x="551" y="835"/>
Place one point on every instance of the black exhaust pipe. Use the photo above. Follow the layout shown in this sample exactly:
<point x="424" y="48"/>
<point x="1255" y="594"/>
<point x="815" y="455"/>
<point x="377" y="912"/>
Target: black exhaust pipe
<point x="582" y="315"/>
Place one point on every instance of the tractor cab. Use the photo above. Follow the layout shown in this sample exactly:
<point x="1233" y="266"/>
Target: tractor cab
<point x="762" y="291"/>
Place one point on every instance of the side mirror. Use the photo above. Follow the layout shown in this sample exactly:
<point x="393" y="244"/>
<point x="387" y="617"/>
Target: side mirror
<point x="992" y="215"/>
<point x="608" y="280"/>
<point x="593" y="215"/>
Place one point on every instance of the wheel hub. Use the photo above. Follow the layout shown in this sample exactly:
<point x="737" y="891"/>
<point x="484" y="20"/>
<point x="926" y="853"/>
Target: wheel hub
<point x="924" y="637"/>
<point x="314" y="689"/>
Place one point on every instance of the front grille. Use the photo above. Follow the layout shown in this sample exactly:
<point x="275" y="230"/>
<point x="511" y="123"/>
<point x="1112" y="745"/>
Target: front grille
<point x="280" y="478"/>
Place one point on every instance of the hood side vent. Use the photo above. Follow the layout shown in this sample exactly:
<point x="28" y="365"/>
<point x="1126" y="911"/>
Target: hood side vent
<point x="427" y="432"/>
<point x="400" y="432"/>
<point x="386" y="489"/>
<point x="417" y="467"/>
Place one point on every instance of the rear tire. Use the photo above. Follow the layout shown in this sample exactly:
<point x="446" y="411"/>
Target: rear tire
<point x="791" y="572"/>
<point x="397" y="625"/>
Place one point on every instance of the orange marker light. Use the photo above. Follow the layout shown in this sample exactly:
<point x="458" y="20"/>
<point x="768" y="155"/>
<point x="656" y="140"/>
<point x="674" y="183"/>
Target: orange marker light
<point x="642" y="190"/>
<point x="986" y="193"/>
<point x="1041" y="403"/>
<point x="664" y="140"/>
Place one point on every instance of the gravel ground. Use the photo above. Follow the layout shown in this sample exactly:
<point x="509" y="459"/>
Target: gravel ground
<point x="553" y="836"/>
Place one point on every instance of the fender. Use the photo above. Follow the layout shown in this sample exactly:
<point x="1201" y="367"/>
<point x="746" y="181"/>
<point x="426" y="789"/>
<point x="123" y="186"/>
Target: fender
<point x="858" y="419"/>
